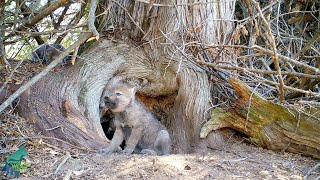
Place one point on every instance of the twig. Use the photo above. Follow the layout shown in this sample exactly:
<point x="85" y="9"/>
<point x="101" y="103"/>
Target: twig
<point x="10" y="75"/>
<point x="66" y="157"/>
<point x="43" y="13"/>
<point x="287" y="59"/>
<point x="65" y="142"/>
<point x="235" y="160"/>
<point x="245" y="20"/>
<point x="36" y="78"/>
<point x="289" y="88"/>
<point x="130" y="17"/>
<point x="310" y="171"/>
<point x="258" y="71"/>
<point x="309" y="103"/>
<point x="68" y="175"/>
<point x="307" y="46"/>
<point x="188" y="59"/>
<point x="293" y="12"/>
<point x="274" y="49"/>
<point x="266" y="51"/>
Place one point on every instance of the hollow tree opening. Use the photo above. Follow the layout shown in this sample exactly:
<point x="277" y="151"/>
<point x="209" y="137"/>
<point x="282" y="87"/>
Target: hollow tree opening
<point x="106" y="124"/>
<point x="108" y="127"/>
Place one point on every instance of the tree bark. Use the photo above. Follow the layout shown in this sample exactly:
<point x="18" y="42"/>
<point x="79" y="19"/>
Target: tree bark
<point x="165" y="28"/>
<point x="65" y="104"/>
<point x="269" y="125"/>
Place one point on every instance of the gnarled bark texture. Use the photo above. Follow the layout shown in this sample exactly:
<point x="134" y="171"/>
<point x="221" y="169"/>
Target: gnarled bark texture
<point x="268" y="124"/>
<point x="164" y="67"/>
<point x="65" y="104"/>
<point x="167" y="32"/>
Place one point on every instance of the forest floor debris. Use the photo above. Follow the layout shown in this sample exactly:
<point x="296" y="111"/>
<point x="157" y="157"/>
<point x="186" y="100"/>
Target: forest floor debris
<point x="237" y="160"/>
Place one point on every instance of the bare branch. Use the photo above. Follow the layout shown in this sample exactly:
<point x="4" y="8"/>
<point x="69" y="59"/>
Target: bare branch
<point x="258" y="71"/>
<point x="61" y="17"/>
<point x="288" y="87"/>
<point x="43" y="13"/>
<point x="73" y="24"/>
<point x="307" y="46"/>
<point x="92" y="17"/>
<point x="274" y="49"/>
<point x="262" y="50"/>
<point x="36" y="78"/>
<point x="287" y="59"/>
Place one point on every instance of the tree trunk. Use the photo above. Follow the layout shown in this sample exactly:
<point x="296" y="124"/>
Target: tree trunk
<point x="268" y="124"/>
<point x="162" y="67"/>
<point x="65" y="104"/>
<point x="164" y="29"/>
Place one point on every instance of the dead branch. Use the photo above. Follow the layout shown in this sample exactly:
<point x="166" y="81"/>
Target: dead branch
<point x="307" y="46"/>
<point x="287" y="59"/>
<point x="311" y="170"/>
<point x="60" y="140"/>
<point x="36" y="78"/>
<point x="69" y="30"/>
<point x="274" y="49"/>
<point x="289" y="87"/>
<point x="64" y="160"/>
<point x="26" y="12"/>
<point x="9" y="78"/>
<point x="310" y="103"/>
<point x="258" y="71"/>
<point x="92" y="17"/>
<point x="61" y="17"/>
<point x="43" y="13"/>
<point x="73" y="24"/>
<point x="262" y="50"/>
<point x="74" y="56"/>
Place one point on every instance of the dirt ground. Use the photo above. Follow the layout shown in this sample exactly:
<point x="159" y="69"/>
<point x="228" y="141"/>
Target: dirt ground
<point x="239" y="161"/>
<point x="236" y="160"/>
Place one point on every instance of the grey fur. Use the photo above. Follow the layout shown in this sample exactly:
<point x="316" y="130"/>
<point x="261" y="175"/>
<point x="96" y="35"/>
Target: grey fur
<point x="46" y="53"/>
<point x="143" y="132"/>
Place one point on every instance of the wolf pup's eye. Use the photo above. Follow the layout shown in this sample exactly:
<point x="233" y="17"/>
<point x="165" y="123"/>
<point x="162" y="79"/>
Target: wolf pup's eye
<point x="118" y="94"/>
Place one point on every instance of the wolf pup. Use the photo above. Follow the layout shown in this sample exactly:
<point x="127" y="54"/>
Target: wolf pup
<point x="46" y="53"/>
<point x="143" y="133"/>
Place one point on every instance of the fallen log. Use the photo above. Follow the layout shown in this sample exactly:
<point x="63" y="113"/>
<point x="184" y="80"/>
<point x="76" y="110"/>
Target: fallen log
<point x="268" y="124"/>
